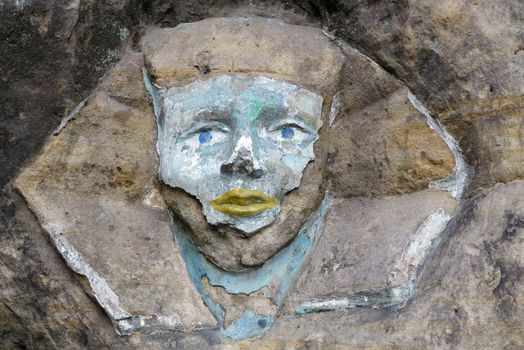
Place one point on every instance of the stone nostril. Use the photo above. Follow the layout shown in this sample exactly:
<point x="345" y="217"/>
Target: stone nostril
<point x="242" y="166"/>
<point x="257" y="173"/>
<point x="226" y="168"/>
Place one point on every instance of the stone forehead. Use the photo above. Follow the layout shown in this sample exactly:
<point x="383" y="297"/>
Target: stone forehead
<point x="253" y="46"/>
<point x="220" y="91"/>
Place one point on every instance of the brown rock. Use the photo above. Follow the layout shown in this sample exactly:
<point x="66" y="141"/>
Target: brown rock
<point x="87" y="189"/>
<point x="492" y="135"/>
<point x="363" y="240"/>
<point x="386" y="148"/>
<point x="299" y="54"/>
<point x="470" y="295"/>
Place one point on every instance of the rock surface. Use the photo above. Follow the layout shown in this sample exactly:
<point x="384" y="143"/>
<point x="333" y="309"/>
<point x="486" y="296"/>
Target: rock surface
<point x="469" y="298"/>
<point x="462" y="59"/>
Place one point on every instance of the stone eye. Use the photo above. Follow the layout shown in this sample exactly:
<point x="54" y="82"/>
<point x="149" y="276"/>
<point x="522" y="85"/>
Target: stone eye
<point x="205" y="136"/>
<point x="287" y="132"/>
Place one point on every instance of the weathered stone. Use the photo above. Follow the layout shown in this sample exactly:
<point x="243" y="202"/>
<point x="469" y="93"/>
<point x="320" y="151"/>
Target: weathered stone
<point x="297" y="54"/>
<point x="363" y="240"/>
<point x="91" y="185"/>
<point x="388" y="143"/>
<point x="447" y="53"/>
<point x="55" y="52"/>
<point x="493" y="136"/>
<point x="88" y="189"/>
<point x="470" y="295"/>
<point x="461" y="58"/>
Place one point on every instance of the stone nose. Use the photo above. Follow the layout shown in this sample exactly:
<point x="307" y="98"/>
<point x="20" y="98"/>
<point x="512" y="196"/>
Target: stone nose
<point x="243" y="159"/>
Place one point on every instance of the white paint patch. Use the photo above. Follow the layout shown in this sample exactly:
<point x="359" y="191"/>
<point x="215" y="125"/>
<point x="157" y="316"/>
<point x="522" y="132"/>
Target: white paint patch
<point x="417" y="250"/>
<point x="333" y="111"/>
<point x="70" y="117"/>
<point x="456" y="182"/>
<point x="392" y="297"/>
<point x="101" y="290"/>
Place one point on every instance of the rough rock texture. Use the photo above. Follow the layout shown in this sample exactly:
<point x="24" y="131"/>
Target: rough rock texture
<point x="54" y="52"/>
<point x="362" y="227"/>
<point x="298" y="54"/>
<point x="469" y="298"/>
<point x="91" y="186"/>
<point x="463" y="59"/>
<point x="379" y="136"/>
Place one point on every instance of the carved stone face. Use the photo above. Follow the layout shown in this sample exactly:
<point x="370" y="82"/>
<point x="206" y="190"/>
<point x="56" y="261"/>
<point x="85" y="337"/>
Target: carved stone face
<point x="238" y="144"/>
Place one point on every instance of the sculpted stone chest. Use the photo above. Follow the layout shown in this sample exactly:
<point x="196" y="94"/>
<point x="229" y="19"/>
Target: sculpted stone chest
<point x="216" y="177"/>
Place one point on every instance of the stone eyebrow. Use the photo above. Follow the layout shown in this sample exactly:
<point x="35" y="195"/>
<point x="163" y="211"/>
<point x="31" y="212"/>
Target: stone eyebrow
<point x="272" y="111"/>
<point x="295" y="119"/>
<point x="214" y="116"/>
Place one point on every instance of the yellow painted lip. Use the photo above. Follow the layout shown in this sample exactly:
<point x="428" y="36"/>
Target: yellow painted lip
<point x="243" y="202"/>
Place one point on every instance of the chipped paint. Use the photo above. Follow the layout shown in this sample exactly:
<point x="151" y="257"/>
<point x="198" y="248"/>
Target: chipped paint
<point x="456" y="182"/>
<point x="69" y="117"/>
<point x="249" y="325"/>
<point x="376" y="299"/>
<point x="333" y="111"/>
<point x="243" y="145"/>
<point x="101" y="290"/>
<point x="427" y="236"/>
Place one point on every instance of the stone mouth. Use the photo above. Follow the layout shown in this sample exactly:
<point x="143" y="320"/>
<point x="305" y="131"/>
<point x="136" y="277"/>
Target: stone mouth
<point x="243" y="202"/>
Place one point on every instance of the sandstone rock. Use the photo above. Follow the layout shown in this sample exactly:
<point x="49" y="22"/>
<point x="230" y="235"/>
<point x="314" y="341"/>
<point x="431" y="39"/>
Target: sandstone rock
<point x="470" y="296"/>
<point x="297" y="54"/>
<point x="388" y="143"/>
<point x="90" y="185"/>
<point x="462" y="59"/>
<point x="363" y="240"/>
<point x="492" y="134"/>
<point x="53" y="54"/>
<point x="88" y="189"/>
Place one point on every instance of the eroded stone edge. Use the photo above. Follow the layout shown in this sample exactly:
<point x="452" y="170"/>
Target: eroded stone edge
<point x="428" y="235"/>
<point x="403" y="278"/>
<point x="124" y="322"/>
<point x="457" y="181"/>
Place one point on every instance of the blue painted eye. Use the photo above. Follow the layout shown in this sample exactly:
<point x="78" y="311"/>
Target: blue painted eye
<point x="205" y="136"/>
<point x="287" y="132"/>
